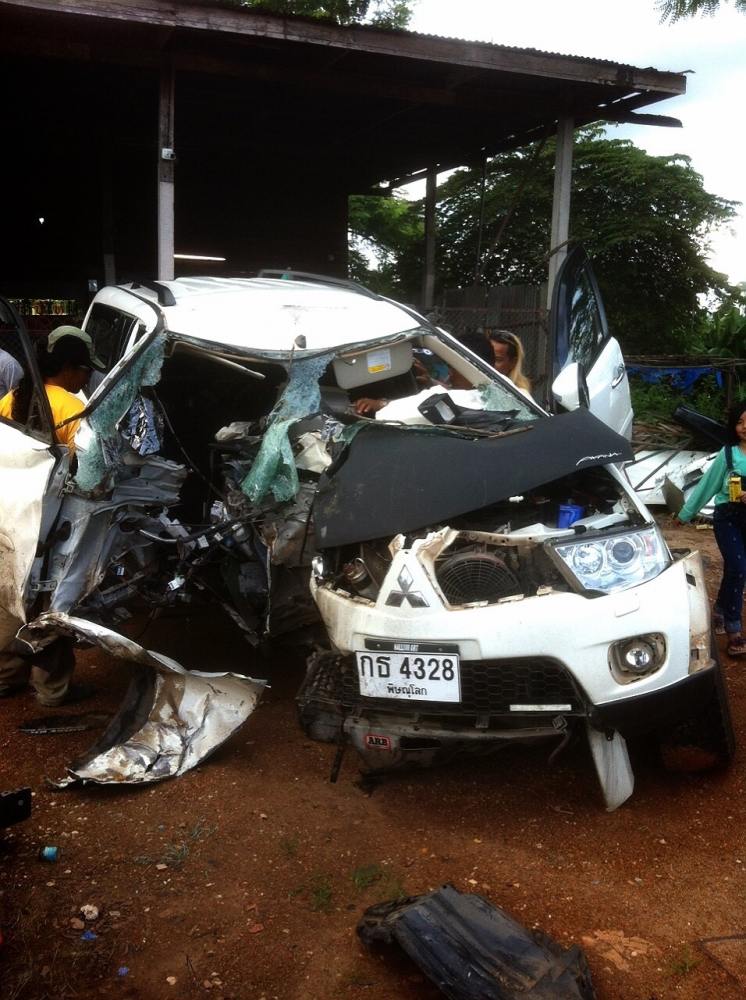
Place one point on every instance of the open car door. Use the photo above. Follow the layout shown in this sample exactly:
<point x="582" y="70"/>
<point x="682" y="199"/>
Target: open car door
<point x="588" y="367"/>
<point x="32" y="470"/>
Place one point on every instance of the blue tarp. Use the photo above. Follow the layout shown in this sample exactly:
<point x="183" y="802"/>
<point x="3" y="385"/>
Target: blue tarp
<point x="681" y="378"/>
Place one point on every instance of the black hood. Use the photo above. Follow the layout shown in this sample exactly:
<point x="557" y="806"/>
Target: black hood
<point x="394" y="479"/>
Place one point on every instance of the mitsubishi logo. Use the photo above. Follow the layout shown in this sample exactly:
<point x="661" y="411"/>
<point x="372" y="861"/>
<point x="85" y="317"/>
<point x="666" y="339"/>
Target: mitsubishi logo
<point x="398" y="597"/>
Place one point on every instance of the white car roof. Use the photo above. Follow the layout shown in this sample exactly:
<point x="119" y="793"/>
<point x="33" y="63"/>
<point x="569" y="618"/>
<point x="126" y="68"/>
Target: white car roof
<point x="265" y="314"/>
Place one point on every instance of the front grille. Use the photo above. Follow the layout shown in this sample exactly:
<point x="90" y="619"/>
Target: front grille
<point x="488" y="687"/>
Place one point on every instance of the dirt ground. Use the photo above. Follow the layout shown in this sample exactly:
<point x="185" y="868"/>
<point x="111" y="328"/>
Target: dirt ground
<point x="246" y="877"/>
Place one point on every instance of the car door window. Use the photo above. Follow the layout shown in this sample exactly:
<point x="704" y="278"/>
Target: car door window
<point x="110" y="331"/>
<point x="23" y="401"/>
<point x="579" y="331"/>
<point x="587" y="334"/>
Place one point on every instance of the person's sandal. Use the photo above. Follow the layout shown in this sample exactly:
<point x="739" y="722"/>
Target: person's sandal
<point x="718" y="623"/>
<point x="736" y="647"/>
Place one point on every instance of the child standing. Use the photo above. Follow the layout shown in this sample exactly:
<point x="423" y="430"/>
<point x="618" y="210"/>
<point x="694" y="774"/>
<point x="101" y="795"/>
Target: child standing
<point x="723" y="482"/>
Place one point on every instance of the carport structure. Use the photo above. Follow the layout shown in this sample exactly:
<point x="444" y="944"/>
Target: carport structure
<point x="136" y="129"/>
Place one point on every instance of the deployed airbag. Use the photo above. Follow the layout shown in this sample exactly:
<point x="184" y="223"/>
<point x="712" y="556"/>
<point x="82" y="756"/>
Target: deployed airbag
<point x="393" y="479"/>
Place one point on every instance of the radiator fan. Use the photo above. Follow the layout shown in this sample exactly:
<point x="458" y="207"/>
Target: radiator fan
<point x="475" y="575"/>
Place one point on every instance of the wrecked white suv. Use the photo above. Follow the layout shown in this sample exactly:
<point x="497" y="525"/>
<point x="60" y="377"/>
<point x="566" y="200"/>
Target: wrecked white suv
<point x="221" y="462"/>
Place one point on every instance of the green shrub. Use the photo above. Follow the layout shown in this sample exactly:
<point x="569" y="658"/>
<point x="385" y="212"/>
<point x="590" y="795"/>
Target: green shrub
<point x="653" y="402"/>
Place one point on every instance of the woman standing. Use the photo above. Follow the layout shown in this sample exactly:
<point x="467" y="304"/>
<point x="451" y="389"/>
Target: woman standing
<point x="723" y="481"/>
<point x="508" y="357"/>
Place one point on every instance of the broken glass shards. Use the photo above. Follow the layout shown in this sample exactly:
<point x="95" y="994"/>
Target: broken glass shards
<point x="274" y="468"/>
<point x="96" y="459"/>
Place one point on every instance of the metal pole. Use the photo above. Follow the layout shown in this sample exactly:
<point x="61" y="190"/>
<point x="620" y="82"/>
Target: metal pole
<point x="166" y="159"/>
<point x="428" y="282"/>
<point x="561" y="202"/>
<point x="107" y="214"/>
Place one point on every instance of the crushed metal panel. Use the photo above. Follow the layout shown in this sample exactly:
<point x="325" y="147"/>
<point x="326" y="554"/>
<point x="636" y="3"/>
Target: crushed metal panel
<point x="613" y="768"/>
<point x="170" y="720"/>
<point x="473" y="950"/>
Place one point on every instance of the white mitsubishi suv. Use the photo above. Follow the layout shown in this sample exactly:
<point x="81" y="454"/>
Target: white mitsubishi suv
<point x="480" y="570"/>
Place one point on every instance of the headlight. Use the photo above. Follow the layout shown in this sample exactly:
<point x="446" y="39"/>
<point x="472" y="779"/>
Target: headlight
<point x="616" y="563"/>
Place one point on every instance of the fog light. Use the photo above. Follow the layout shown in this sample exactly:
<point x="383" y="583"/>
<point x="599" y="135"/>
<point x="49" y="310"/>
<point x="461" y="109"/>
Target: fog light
<point x="639" y="656"/>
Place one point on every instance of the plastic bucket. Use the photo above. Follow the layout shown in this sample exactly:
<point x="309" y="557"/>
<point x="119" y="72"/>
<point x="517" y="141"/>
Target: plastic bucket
<point x="568" y="513"/>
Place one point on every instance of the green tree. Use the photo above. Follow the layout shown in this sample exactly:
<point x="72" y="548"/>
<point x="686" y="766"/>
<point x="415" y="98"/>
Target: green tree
<point x="383" y="13"/>
<point x="675" y="10"/>
<point x="723" y="334"/>
<point x="392" y="230"/>
<point x="644" y="220"/>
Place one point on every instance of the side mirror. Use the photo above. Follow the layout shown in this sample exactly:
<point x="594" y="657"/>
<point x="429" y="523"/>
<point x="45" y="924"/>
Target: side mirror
<point x="569" y="389"/>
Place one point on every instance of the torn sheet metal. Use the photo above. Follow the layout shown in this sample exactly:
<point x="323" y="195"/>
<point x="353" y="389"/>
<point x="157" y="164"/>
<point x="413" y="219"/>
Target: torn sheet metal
<point x="473" y="950"/>
<point x="651" y="469"/>
<point x="393" y="480"/>
<point x="170" y="720"/>
<point x="613" y="767"/>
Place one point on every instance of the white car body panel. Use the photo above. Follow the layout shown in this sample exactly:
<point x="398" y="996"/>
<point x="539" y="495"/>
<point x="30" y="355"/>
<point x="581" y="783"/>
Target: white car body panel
<point x="27" y="465"/>
<point x="267" y="316"/>
<point x="608" y="389"/>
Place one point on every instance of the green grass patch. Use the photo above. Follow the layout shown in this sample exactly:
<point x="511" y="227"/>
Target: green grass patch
<point x="366" y="875"/>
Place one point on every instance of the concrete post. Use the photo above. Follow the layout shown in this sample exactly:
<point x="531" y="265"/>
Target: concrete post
<point x="428" y="281"/>
<point x="561" y="202"/>
<point x="166" y="158"/>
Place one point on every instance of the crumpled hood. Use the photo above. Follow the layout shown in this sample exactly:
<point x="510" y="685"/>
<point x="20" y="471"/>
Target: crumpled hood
<point x="393" y="479"/>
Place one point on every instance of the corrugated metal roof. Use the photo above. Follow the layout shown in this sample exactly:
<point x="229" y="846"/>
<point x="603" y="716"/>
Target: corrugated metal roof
<point x="405" y="33"/>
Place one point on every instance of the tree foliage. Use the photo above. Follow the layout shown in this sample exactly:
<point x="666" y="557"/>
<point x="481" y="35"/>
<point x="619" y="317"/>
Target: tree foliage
<point x="383" y="13"/>
<point x="723" y="335"/>
<point x="392" y="230"/>
<point x="675" y="10"/>
<point x="644" y="221"/>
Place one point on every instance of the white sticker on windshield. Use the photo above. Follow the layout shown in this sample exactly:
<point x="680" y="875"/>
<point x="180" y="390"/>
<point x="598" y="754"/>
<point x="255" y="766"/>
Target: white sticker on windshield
<point x="379" y="361"/>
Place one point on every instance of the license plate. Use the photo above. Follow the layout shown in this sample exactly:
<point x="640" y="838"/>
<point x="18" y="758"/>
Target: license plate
<point x="410" y="676"/>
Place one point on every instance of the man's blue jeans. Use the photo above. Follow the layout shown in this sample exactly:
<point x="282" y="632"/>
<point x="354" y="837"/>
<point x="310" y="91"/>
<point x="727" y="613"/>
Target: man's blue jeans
<point x="729" y="521"/>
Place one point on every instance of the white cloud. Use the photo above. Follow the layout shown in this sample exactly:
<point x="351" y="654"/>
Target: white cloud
<point x="630" y="32"/>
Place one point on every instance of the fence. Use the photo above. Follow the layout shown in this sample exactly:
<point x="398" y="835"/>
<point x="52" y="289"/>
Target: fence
<point x="518" y="308"/>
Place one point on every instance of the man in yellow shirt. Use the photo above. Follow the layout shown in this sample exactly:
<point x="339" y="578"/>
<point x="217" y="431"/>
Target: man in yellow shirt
<point x="65" y="364"/>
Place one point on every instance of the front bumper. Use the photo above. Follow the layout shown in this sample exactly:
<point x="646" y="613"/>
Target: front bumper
<point x="571" y="631"/>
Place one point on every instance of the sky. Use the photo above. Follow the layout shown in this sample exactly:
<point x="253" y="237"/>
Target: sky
<point x="712" y="49"/>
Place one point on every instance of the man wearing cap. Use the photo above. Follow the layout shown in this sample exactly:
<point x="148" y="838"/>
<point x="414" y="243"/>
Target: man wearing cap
<point x="65" y="366"/>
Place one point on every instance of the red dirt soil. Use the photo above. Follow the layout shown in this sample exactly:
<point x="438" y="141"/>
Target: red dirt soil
<point x="246" y="877"/>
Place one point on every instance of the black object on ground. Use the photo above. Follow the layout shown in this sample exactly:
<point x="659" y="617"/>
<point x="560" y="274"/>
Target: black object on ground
<point x="14" y="806"/>
<point x="708" y="433"/>
<point x="473" y="950"/>
<point x="63" y="723"/>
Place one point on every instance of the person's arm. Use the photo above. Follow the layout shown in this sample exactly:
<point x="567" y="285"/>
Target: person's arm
<point x="366" y="407"/>
<point x="65" y="408"/>
<point x="709" y="485"/>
